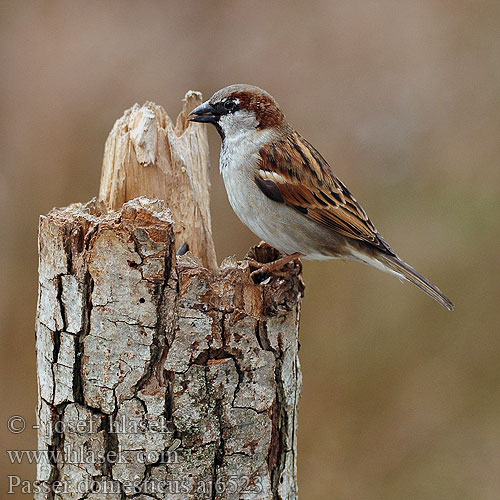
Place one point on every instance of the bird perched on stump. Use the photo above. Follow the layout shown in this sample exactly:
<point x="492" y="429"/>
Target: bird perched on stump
<point x="281" y="187"/>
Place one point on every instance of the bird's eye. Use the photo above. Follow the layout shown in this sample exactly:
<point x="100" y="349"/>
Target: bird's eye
<point x="229" y="104"/>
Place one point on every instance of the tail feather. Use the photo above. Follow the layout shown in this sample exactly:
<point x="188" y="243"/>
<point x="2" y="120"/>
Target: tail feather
<point x="401" y="268"/>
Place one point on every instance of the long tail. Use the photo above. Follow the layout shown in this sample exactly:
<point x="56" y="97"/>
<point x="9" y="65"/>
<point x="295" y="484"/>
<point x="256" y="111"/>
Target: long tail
<point x="401" y="268"/>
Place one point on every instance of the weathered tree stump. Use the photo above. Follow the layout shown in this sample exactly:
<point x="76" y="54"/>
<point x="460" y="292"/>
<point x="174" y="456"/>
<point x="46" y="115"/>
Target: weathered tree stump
<point x="147" y="155"/>
<point x="160" y="376"/>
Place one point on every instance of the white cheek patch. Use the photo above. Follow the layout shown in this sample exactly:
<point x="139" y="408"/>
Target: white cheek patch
<point x="238" y="122"/>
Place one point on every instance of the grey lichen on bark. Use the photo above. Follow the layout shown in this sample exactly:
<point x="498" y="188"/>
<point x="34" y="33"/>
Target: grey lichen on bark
<point x="159" y="377"/>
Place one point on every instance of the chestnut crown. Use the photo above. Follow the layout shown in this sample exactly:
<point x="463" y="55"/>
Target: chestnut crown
<point x="240" y="106"/>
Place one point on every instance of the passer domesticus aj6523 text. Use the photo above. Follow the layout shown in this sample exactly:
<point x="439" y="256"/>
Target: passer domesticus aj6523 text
<point x="281" y="187"/>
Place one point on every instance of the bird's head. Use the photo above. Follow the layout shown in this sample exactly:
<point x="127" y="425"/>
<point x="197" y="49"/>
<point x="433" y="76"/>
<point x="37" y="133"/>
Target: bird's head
<point x="238" y="109"/>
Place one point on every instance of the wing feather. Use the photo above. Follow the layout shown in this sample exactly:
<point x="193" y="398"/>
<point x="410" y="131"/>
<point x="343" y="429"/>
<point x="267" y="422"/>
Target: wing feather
<point x="293" y="168"/>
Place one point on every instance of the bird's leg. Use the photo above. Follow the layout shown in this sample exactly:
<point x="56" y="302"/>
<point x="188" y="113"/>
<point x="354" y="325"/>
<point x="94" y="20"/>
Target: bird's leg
<point x="272" y="266"/>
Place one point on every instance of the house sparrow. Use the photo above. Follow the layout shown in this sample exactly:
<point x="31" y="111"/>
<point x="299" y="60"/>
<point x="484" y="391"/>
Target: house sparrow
<point x="281" y="187"/>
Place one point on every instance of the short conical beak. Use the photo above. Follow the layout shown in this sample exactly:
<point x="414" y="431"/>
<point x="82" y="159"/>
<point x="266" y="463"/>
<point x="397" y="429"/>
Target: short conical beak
<point x="204" y="113"/>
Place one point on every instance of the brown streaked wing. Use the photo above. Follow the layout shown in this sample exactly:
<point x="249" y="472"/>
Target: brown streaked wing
<point x="295" y="169"/>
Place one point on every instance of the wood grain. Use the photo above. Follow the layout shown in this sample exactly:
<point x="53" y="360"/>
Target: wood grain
<point x="146" y="154"/>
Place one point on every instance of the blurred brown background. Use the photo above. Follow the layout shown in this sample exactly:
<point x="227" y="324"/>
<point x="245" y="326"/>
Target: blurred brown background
<point x="401" y="399"/>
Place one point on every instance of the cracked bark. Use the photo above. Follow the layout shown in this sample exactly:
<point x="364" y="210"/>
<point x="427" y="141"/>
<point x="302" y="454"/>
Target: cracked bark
<point x="160" y="376"/>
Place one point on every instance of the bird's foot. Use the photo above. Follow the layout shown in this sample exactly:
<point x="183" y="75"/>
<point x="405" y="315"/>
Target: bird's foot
<point x="269" y="267"/>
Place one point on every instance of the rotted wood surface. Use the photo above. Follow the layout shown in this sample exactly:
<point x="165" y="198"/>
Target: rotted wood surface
<point x="147" y="155"/>
<point x="175" y="381"/>
<point x="161" y="376"/>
